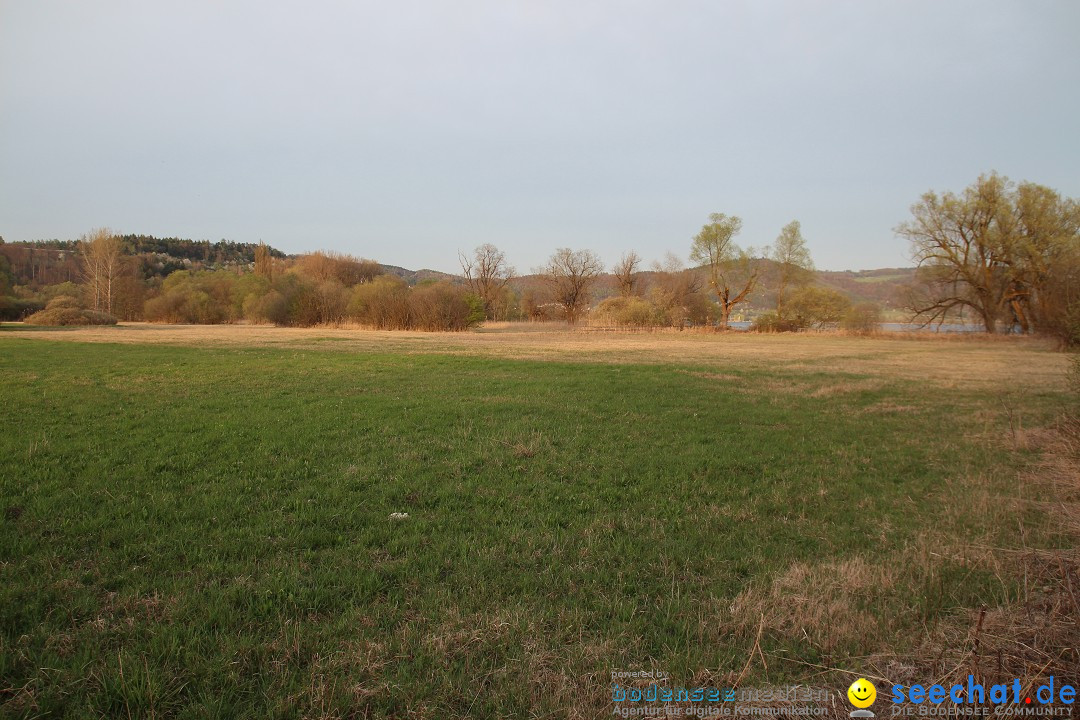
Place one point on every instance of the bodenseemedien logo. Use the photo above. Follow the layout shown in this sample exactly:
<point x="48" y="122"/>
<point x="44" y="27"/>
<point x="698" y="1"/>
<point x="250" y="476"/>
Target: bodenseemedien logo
<point x="862" y="695"/>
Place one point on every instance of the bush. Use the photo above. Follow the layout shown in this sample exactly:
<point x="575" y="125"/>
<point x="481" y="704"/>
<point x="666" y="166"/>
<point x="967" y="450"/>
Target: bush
<point x="817" y="307"/>
<point x="269" y="308"/>
<point x="14" y="308"/>
<point x="638" y="313"/>
<point x="1068" y="329"/>
<point x="295" y="298"/>
<point x="165" y="308"/>
<point x="771" y="322"/>
<point x="630" y="312"/>
<point x="51" y="292"/>
<point x="442" y="307"/>
<point x="247" y="287"/>
<point x="313" y="302"/>
<point x="331" y="300"/>
<point x="186" y="305"/>
<point x="345" y="269"/>
<point x="63" y="302"/>
<point x="862" y="319"/>
<point x="387" y="303"/>
<point x="193" y="297"/>
<point x="382" y="303"/>
<point x="477" y="313"/>
<point x="65" y="310"/>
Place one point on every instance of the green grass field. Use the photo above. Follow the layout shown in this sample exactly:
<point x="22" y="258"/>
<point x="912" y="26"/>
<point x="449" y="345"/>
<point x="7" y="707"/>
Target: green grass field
<point x="205" y="531"/>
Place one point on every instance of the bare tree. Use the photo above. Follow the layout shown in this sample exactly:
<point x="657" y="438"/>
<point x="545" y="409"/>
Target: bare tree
<point x="571" y="275"/>
<point x="346" y="269"/>
<point x="676" y="292"/>
<point x="625" y="272"/>
<point x="102" y="253"/>
<point x="732" y="273"/>
<point x="487" y="274"/>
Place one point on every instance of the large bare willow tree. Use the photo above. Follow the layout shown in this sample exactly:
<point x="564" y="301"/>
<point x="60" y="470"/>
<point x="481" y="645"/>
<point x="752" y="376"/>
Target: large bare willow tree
<point x="1006" y="253"/>
<point x="488" y="273"/>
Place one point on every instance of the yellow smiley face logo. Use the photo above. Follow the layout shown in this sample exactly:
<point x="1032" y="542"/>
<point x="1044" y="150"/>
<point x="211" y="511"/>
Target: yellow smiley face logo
<point x="862" y="693"/>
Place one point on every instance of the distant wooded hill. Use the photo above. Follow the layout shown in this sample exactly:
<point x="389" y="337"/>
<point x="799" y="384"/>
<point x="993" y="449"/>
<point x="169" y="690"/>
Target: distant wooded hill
<point x="418" y="276"/>
<point x="884" y="287"/>
<point x="47" y="262"/>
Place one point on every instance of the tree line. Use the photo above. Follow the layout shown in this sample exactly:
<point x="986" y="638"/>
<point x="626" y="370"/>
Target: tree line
<point x="1002" y="254"/>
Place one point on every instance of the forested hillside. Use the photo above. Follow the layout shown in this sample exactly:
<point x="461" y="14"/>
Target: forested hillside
<point x="46" y="262"/>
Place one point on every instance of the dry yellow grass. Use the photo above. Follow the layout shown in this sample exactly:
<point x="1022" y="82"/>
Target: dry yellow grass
<point x="948" y="361"/>
<point x="1032" y="637"/>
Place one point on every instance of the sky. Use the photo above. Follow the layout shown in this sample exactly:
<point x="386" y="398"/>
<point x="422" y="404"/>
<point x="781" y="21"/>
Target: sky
<point x="408" y="131"/>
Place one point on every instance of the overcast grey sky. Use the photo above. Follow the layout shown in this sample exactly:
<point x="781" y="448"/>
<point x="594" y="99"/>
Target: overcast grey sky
<point x="405" y="131"/>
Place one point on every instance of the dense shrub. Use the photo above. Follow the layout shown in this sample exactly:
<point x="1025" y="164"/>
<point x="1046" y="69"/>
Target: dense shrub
<point x="442" y="306"/>
<point x="248" y="287"/>
<point x="68" y="289"/>
<point x="329" y="301"/>
<point x="661" y="308"/>
<point x="271" y="308"/>
<point x="862" y="319"/>
<point x="193" y="297"/>
<point x="1068" y="328"/>
<point x="313" y="294"/>
<point x="816" y="307"/>
<point x="387" y="303"/>
<point x="189" y="305"/>
<point x="771" y="322"/>
<point x="23" y="302"/>
<point x="382" y="303"/>
<point x="813" y="307"/>
<point x="678" y="299"/>
<point x="15" y="308"/>
<point x="345" y="269"/>
<point x="630" y="312"/>
<point x="166" y="308"/>
<point x="65" y="310"/>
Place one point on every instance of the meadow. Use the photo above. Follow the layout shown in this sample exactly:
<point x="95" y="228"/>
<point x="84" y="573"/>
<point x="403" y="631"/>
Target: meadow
<point x="197" y="521"/>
